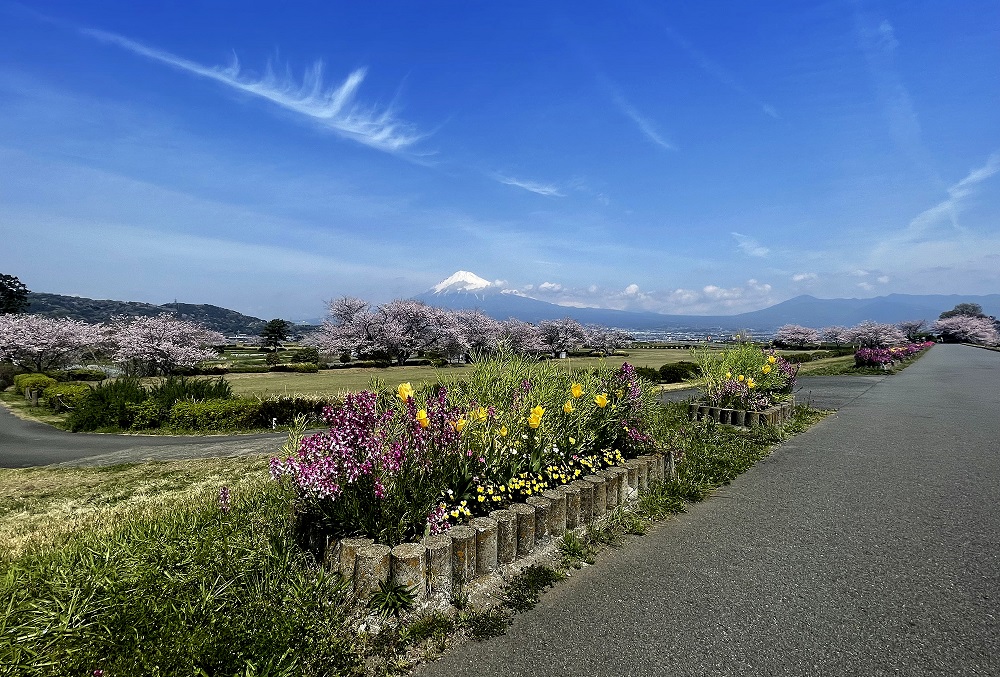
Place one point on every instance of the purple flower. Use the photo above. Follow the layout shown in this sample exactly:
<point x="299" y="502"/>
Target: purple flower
<point x="224" y="499"/>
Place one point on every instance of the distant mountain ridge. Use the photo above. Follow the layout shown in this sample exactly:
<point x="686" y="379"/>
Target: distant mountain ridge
<point x="465" y="290"/>
<point x="228" y="322"/>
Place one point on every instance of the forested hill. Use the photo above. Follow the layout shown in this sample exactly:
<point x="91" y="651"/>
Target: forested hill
<point x="223" y="320"/>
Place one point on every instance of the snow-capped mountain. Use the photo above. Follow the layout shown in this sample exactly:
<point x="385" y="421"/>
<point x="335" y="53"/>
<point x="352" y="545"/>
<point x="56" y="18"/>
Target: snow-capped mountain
<point x="463" y="282"/>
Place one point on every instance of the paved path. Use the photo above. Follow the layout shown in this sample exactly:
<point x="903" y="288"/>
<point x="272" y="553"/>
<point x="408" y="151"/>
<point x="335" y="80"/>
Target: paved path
<point x="869" y="545"/>
<point x="26" y="443"/>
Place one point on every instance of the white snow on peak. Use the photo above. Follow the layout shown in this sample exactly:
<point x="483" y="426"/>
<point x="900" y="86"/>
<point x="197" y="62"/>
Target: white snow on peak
<point x="463" y="280"/>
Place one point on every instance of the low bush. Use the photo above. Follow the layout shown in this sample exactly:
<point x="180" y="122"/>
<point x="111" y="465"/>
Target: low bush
<point x="249" y="369"/>
<point x="33" y="381"/>
<point x="176" y="388"/>
<point x="108" y="405"/>
<point x="65" y="395"/>
<point x="80" y="374"/>
<point x="304" y="355"/>
<point x="213" y="370"/>
<point x="7" y="372"/>
<point x="218" y="415"/>
<point x="283" y="409"/>
<point x="676" y="372"/>
<point x="296" y="367"/>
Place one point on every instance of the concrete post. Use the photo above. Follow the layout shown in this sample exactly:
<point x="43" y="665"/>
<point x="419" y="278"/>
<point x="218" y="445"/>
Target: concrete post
<point x="600" y="496"/>
<point x="642" y="475"/>
<point x="610" y="489"/>
<point x="586" y="501"/>
<point x="506" y="536"/>
<point x="439" y="564"/>
<point x="633" y="478"/>
<point x="463" y="554"/>
<point x="572" y="494"/>
<point x="486" y="545"/>
<point x="525" y="528"/>
<point x="371" y="567"/>
<point x="543" y="508"/>
<point x="557" y="514"/>
<point x="621" y="483"/>
<point x="348" y="554"/>
<point x="408" y="564"/>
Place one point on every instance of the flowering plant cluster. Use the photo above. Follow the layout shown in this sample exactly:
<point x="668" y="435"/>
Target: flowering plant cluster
<point x="396" y="465"/>
<point x="746" y="377"/>
<point x="883" y="357"/>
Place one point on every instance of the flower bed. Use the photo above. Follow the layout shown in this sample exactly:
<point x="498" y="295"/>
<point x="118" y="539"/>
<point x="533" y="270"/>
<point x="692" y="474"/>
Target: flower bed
<point x="395" y="466"/>
<point x="884" y="357"/>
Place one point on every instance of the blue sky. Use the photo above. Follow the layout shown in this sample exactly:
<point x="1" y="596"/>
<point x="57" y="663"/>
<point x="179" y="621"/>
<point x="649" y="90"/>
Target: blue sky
<point x="693" y="158"/>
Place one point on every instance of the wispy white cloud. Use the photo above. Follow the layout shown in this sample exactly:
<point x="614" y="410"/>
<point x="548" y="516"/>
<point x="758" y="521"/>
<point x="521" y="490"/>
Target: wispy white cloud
<point x="804" y="277"/>
<point x="750" y="246"/>
<point x="642" y="122"/>
<point x="548" y="190"/>
<point x="948" y="210"/>
<point x="334" y="108"/>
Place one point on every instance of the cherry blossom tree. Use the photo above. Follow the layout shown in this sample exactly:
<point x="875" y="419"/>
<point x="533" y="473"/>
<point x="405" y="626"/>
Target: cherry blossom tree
<point x="606" y="339"/>
<point x="40" y="343"/>
<point x="911" y="329"/>
<point x="481" y="332"/>
<point x="835" y="335"/>
<point x="870" y="334"/>
<point x="146" y="346"/>
<point x="519" y="337"/>
<point x="967" y="329"/>
<point x="560" y="335"/>
<point x="796" y="336"/>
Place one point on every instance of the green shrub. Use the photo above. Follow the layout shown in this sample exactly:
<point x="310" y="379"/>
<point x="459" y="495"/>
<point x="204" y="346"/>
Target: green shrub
<point x="283" y="409"/>
<point x="65" y="395"/>
<point x="80" y="374"/>
<point x="148" y="414"/>
<point x="176" y="388"/>
<point x="107" y="405"/>
<point x="676" y="372"/>
<point x="648" y="373"/>
<point x="249" y="369"/>
<point x="799" y="358"/>
<point x="216" y="415"/>
<point x="7" y="371"/>
<point x="33" y="381"/>
<point x="303" y="355"/>
<point x="299" y="368"/>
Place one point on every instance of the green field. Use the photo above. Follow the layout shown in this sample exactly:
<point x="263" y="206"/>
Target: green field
<point x="333" y="381"/>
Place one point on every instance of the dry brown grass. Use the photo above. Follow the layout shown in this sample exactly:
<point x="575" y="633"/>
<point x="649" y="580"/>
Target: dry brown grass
<point x="41" y="507"/>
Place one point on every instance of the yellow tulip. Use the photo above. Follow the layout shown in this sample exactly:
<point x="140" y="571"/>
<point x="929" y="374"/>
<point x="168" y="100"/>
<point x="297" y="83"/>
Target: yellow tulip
<point x="404" y="391"/>
<point x="601" y="400"/>
<point x="458" y="425"/>
<point x="503" y="431"/>
<point x="772" y="359"/>
<point x="750" y="383"/>
<point x="729" y="374"/>
<point x="534" y="421"/>
<point x="740" y="378"/>
<point x="482" y="414"/>
<point x="568" y="407"/>
<point x="766" y="369"/>
<point x="576" y="389"/>
<point x="422" y="418"/>
<point x="538" y="411"/>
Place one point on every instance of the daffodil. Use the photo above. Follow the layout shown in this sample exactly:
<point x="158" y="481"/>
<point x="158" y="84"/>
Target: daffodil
<point x="404" y="391"/>
<point x="422" y="418"/>
<point x="576" y="389"/>
<point x="568" y="407"/>
<point x="601" y="400"/>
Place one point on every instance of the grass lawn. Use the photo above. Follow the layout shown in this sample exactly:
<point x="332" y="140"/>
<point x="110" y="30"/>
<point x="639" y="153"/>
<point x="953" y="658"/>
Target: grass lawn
<point x="334" y="381"/>
<point x="41" y="507"/>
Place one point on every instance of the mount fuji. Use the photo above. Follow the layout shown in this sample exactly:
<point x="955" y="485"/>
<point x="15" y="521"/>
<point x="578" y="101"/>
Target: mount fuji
<point x="467" y="291"/>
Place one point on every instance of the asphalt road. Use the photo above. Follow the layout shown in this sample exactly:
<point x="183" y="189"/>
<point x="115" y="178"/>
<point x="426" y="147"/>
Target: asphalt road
<point x="26" y="443"/>
<point x="869" y="545"/>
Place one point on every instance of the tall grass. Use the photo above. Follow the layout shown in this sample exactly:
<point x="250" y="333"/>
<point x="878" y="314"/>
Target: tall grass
<point x="209" y="589"/>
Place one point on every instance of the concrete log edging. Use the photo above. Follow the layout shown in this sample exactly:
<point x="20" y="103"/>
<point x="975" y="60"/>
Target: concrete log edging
<point x="777" y="415"/>
<point x="439" y="565"/>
